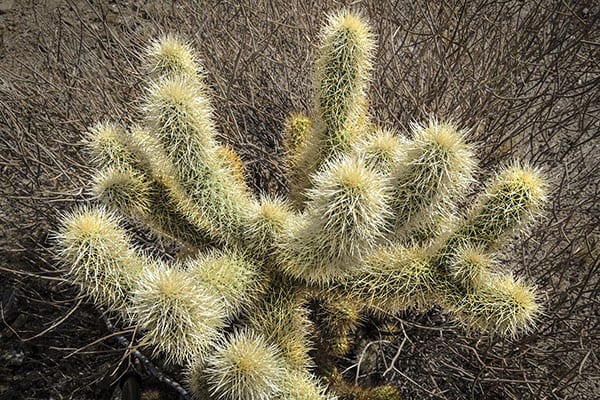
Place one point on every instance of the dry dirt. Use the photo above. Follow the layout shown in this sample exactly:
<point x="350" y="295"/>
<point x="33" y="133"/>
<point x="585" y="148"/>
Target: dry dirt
<point x="524" y="76"/>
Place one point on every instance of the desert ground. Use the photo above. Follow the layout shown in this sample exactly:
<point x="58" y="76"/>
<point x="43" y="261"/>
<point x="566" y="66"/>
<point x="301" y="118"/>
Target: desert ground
<point x="522" y="77"/>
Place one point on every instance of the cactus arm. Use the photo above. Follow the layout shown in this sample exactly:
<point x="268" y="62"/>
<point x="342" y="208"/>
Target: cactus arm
<point x="343" y="73"/>
<point x="382" y="150"/>
<point x="340" y="85"/>
<point x="178" y="316"/>
<point x="282" y="317"/>
<point x="436" y="168"/>
<point x="100" y="257"/>
<point x="169" y="56"/>
<point x="203" y="177"/>
<point x="267" y="226"/>
<point x="181" y="121"/>
<point x="500" y="304"/>
<point x="124" y="183"/>
<point x="229" y="276"/>
<point x="509" y="204"/>
<point x="124" y="189"/>
<point x="344" y="219"/>
<point x="392" y="279"/>
<point x="245" y="366"/>
<point x="338" y="318"/>
<point x="297" y="133"/>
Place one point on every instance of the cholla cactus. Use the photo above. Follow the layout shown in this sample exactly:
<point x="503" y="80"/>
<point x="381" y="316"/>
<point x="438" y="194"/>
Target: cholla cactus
<point x="371" y="223"/>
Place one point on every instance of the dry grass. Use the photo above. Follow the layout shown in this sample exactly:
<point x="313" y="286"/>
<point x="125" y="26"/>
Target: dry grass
<point x="525" y="76"/>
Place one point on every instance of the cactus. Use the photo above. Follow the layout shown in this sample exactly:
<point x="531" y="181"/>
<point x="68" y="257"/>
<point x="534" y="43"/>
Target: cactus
<point x="371" y="224"/>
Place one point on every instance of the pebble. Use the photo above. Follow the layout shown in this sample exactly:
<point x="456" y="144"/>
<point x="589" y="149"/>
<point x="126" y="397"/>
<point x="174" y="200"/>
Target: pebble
<point x="6" y="6"/>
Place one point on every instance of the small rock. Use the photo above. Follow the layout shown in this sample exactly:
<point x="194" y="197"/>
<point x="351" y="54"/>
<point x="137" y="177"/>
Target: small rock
<point x="6" y="6"/>
<point x="20" y="322"/>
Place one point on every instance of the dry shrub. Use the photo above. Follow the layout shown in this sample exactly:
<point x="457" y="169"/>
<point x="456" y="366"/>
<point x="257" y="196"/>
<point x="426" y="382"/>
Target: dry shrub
<point x="524" y="76"/>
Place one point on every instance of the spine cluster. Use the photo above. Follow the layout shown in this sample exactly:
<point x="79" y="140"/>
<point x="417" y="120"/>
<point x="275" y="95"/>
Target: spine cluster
<point x="371" y="223"/>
